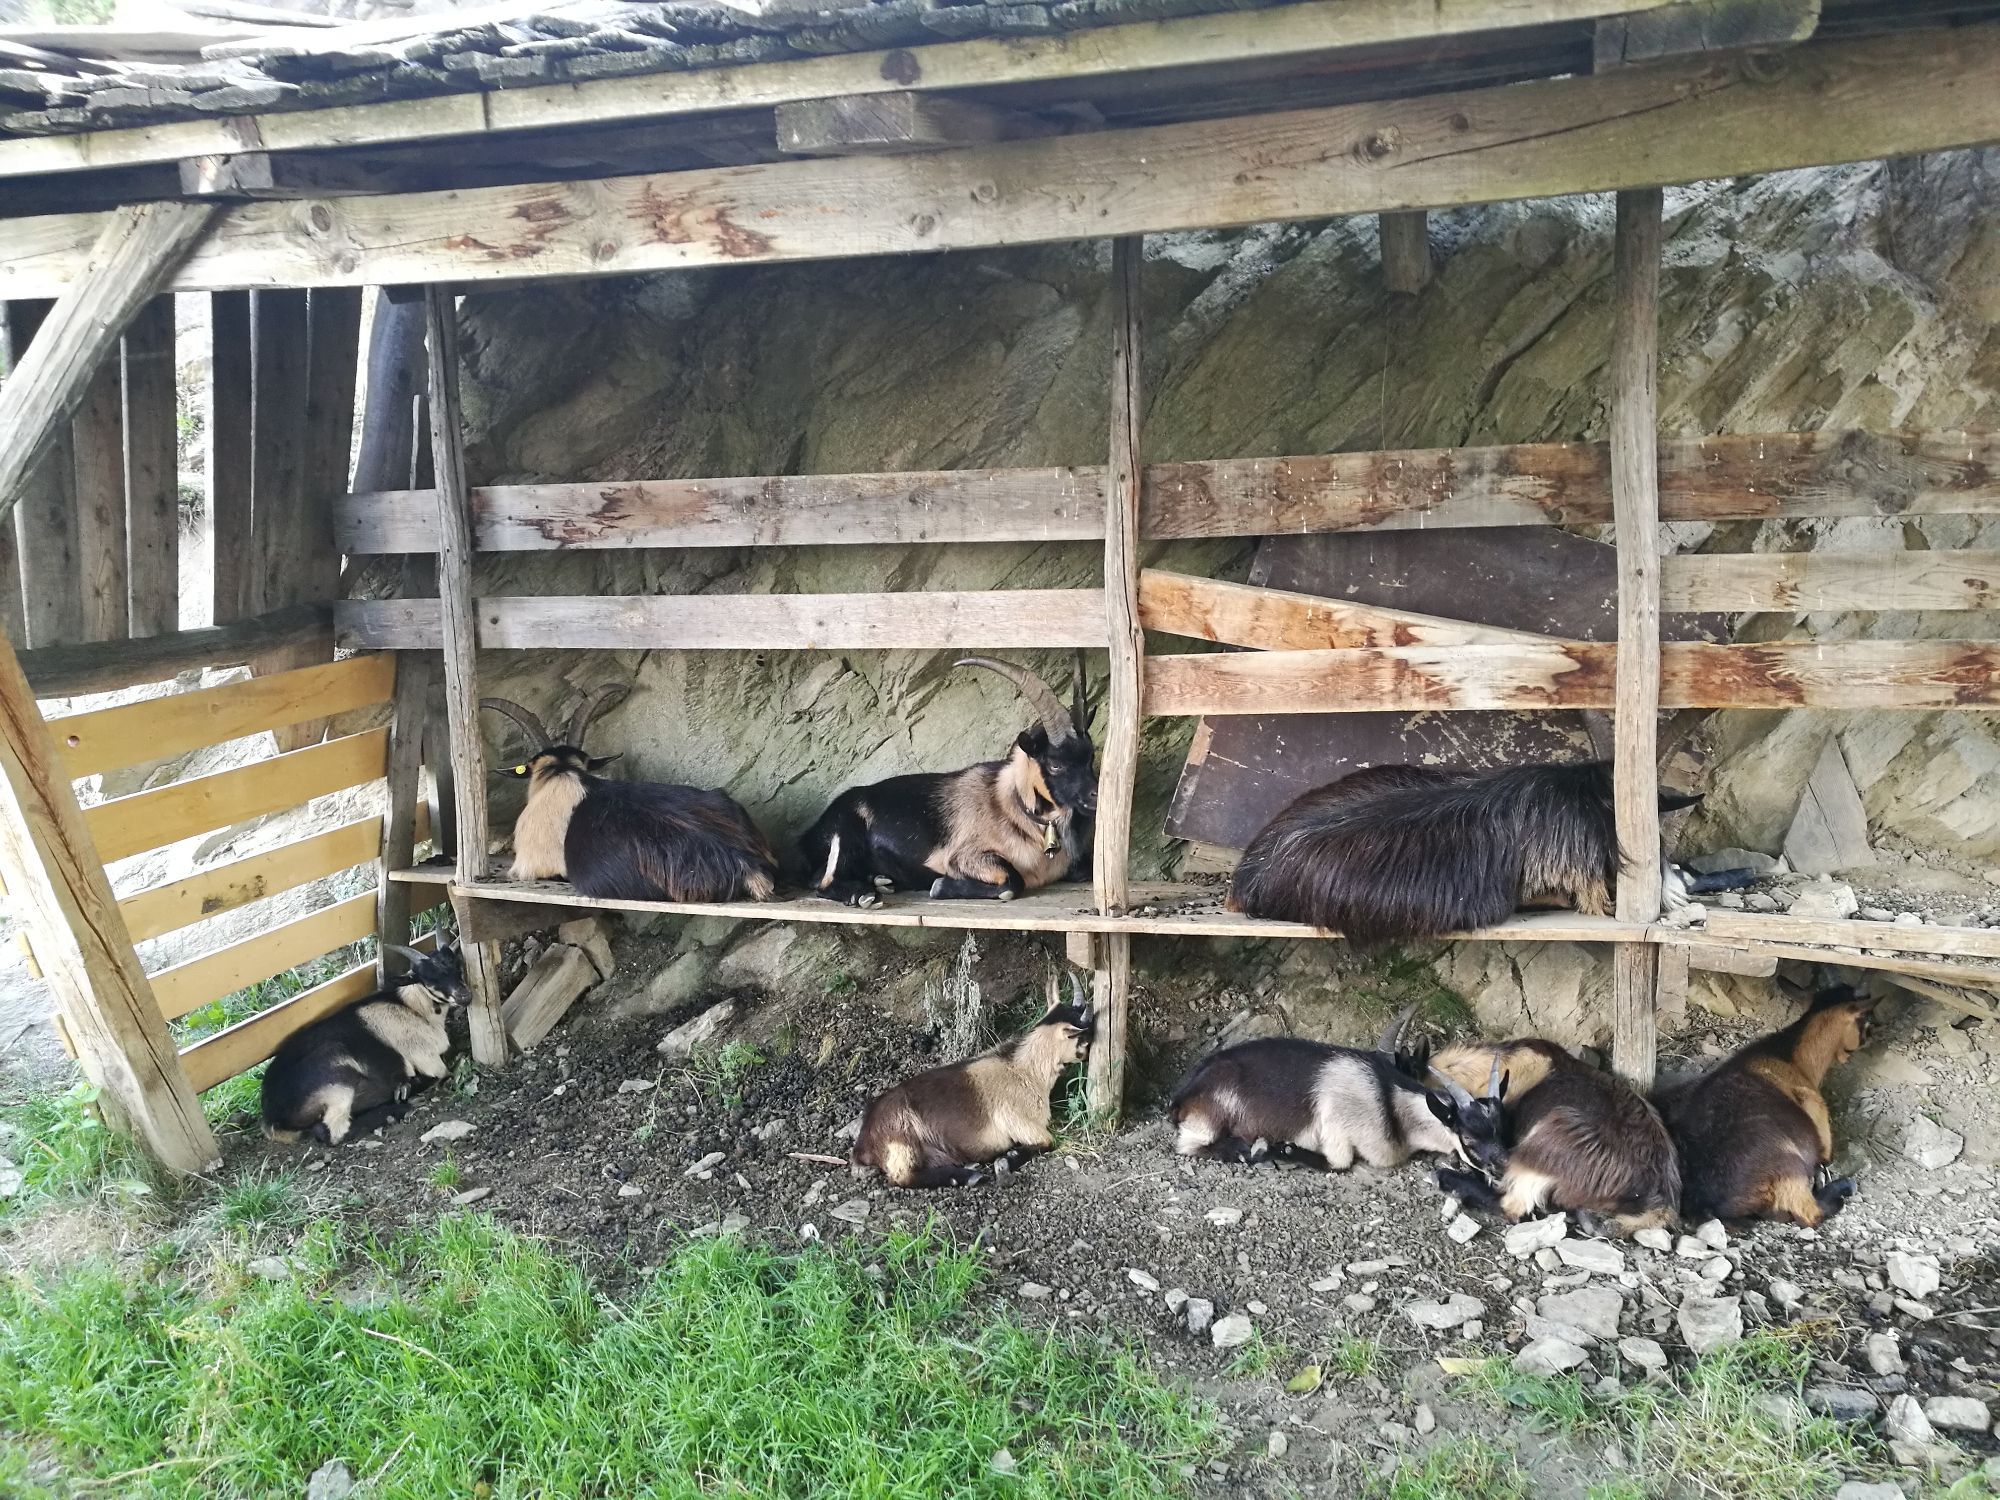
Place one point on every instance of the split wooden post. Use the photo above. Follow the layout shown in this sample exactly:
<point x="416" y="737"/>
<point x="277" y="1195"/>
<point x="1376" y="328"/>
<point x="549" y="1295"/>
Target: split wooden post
<point x="399" y="817"/>
<point x="152" y="473"/>
<point x="1635" y="503"/>
<point x="1112" y="986"/>
<point x="229" y="422"/>
<point x="45" y="524"/>
<point x="57" y="884"/>
<point x="1406" y="250"/>
<point x="97" y="441"/>
<point x="461" y="648"/>
<point x="138" y="250"/>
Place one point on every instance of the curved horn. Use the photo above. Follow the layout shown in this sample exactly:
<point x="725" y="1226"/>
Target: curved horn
<point x="1455" y="1090"/>
<point x="1041" y="697"/>
<point x="1079" y="696"/>
<point x="411" y="956"/>
<point x="605" y="697"/>
<point x="1493" y="1079"/>
<point x="1392" y="1038"/>
<point x="524" y="717"/>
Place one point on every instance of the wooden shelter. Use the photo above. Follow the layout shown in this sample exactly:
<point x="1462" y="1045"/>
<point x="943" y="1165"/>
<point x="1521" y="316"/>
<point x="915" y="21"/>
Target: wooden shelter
<point x="650" y="137"/>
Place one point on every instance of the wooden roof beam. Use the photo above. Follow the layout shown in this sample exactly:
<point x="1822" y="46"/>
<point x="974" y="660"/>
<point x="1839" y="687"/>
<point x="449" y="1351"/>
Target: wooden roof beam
<point x="882" y="124"/>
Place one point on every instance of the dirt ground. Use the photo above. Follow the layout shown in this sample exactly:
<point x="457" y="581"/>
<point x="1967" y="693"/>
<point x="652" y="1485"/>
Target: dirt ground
<point x="596" y="1140"/>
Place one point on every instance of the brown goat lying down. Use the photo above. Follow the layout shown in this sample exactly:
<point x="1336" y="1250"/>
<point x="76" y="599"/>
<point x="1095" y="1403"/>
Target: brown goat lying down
<point x="1754" y="1132"/>
<point x="1574" y="1137"/>
<point x="950" y="1126"/>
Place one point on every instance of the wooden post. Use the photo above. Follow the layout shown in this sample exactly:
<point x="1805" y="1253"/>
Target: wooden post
<point x="140" y="247"/>
<point x="97" y="439"/>
<point x="399" y="817"/>
<point x="44" y="524"/>
<point x="230" y="404"/>
<point x="58" y="886"/>
<point x="1406" y="251"/>
<point x="1635" y="502"/>
<point x="152" y="473"/>
<point x="1118" y="775"/>
<point x="280" y="354"/>
<point x="461" y="646"/>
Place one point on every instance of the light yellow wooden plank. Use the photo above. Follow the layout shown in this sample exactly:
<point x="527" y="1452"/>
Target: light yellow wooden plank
<point x="150" y="820"/>
<point x="189" y="986"/>
<point x="1806" y="581"/>
<point x="166" y="908"/>
<point x="1239" y="614"/>
<point x="137" y="733"/>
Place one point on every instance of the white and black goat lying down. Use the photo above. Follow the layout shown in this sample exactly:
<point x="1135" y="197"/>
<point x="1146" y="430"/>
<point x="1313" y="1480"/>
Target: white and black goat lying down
<point x="359" y="1067"/>
<point x="995" y="829"/>
<point x="1401" y="853"/>
<point x="951" y="1126"/>
<point x="639" y="840"/>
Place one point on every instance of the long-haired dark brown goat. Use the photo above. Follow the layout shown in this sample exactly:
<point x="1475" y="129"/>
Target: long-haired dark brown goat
<point x="358" y="1068"/>
<point x="1754" y="1131"/>
<point x="636" y="840"/>
<point x="996" y="829"/>
<point x="1400" y="853"/>
<point x="950" y="1126"/>
<point x="1574" y="1137"/>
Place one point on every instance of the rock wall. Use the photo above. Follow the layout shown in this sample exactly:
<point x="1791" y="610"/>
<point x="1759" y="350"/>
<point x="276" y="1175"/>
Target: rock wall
<point x="1863" y="296"/>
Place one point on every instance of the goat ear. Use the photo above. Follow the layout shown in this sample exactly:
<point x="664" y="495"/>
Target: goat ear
<point x="1442" y="1107"/>
<point x="1673" y="801"/>
<point x="1033" y="742"/>
<point x="599" y="762"/>
<point x="1505" y="1079"/>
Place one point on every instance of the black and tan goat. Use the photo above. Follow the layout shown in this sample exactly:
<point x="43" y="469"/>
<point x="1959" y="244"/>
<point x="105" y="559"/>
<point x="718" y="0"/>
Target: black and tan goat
<point x="1305" y="1101"/>
<point x="951" y="1126"/>
<point x="996" y="829"/>
<point x="1754" y="1133"/>
<point x="636" y="840"/>
<point x="358" y="1068"/>
<point x="1401" y="853"/>
<point x="1574" y="1137"/>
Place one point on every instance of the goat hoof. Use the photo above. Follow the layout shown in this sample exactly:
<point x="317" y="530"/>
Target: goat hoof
<point x="937" y="889"/>
<point x="1006" y="896"/>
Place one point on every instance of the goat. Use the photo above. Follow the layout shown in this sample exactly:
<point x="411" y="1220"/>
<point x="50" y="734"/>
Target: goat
<point x="951" y="1125"/>
<point x="1576" y="1138"/>
<point x="358" y="1068"/>
<point x="636" y="840"/>
<point x="995" y="830"/>
<point x="1306" y="1101"/>
<point x="1754" y="1133"/>
<point x="1400" y="853"/>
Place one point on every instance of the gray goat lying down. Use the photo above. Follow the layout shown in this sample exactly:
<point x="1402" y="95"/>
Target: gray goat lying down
<point x="359" y="1067"/>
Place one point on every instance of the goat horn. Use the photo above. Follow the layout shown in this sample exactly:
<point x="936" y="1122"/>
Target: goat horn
<point x="1455" y="1089"/>
<point x="1079" y="712"/>
<point x="604" y="698"/>
<point x="524" y="717"/>
<point x="1393" y="1037"/>
<point x="410" y="955"/>
<point x="1493" y="1079"/>
<point x="1041" y="697"/>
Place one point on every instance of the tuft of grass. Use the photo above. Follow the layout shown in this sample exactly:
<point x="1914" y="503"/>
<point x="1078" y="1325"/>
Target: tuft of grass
<point x="1711" y="1429"/>
<point x="1464" y="1469"/>
<point x="1261" y="1356"/>
<point x="61" y="1149"/>
<point x="502" y="1368"/>
<point x="1356" y="1356"/>
<point x="719" y="1075"/>
<point x="447" y="1175"/>
<point x="254" y="1203"/>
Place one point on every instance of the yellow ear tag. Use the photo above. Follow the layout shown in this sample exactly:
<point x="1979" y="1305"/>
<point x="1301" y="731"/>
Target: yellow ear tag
<point x="520" y="770"/>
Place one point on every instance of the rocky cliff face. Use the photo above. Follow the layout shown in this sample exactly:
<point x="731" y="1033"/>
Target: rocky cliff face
<point x="1859" y="297"/>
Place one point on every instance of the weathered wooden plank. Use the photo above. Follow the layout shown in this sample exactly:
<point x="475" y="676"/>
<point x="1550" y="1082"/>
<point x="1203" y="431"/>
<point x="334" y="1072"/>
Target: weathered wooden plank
<point x="863" y="124"/>
<point x="220" y="888"/>
<point x="97" y="446"/>
<point x="1635" y="506"/>
<point x="281" y="352"/>
<point x="56" y="888"/>
<point x="554" y="983"/>
<point x="1807" y="581"/>
<point x="44" y="522"/>
<point x="1009" y="618"/>
<point x="189" y="986"/>
<point x="230" y="416"/>
<point x="1702" y="26"/>
<point x="127" y="257"/>
<point x="1970" y="942"/>
<point x="64" y="671"/>
<point x="401" y="813"/>
<point x="1753" y="476"/>
<point x="1406" y="251"/>
<point x="1955" y="971"/>
<point x="1285" y="31"/>
<point x="152" y="472"/>
<point x="149" y="820"/>
<point x="1240" y="614"/>
<point x="1704" y="118"/>
<point x="1410" y="679"/>
<point x="136" y="734"/>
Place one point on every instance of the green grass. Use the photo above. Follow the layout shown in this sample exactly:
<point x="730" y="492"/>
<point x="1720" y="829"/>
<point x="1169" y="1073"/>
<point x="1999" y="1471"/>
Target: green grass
<point x="62" y="1150"/>
<point x="1464" y="1469"/>
<point x="502" y="1369"/>
<point x="719" y="1075"/>
<point x="1705" y="1431"/>
<point x="447" y="1175"/>
<point x="1357" y="1356"/>
<point x="259" y="1203"/>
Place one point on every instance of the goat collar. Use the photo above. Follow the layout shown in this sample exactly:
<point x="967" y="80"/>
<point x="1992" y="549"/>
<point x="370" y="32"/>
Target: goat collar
<point x="1051" y="833"/>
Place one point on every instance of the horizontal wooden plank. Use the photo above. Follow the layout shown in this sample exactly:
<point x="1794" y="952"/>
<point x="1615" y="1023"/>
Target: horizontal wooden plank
<point x="239" y="1048"/>
<point x="1803" y="581"/>
<point x="189" y="986"/>
<point x="1703" y="117"/>
<point x="1413" y="679"/>
<point x="1943" y="970"/>
<point x="1971" y="942"/>
<point x="1001" y="620"/>
<point x="1753" y="476"/>
<point x="137" y="733"/>
<point x="105" y="666"/>
<point x="1163" y="909"/>
<point x="149" y="820"/>
<point x="1292" y="30"/>
<point x="220" y="888"/>
<point x="1240" y="614"/>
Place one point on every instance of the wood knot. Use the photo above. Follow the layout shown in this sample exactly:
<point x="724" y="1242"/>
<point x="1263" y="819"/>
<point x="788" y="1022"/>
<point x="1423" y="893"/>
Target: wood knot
<point x="1378" y="144"/>
<point x="322" y="217"/>
<point x="985" y="192"/>
<point x="1459" y="121"/>
<point x="901" y="66"/>
<point x="923" y="224"/>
